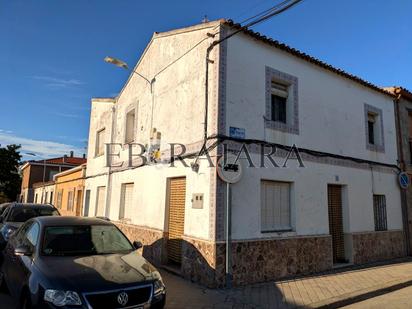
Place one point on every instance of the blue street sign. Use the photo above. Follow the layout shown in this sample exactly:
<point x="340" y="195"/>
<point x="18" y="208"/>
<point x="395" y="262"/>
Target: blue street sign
<point x="237" y="132"/>
<point x="404" y="180"/>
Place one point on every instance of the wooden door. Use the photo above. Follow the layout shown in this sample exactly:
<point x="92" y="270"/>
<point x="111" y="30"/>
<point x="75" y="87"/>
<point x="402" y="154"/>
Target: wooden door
<point x="176" y="198"/>
<point x="336" y="222"/>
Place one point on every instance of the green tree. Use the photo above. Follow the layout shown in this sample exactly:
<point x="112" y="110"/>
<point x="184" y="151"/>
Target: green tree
<point x="10" y="180"/>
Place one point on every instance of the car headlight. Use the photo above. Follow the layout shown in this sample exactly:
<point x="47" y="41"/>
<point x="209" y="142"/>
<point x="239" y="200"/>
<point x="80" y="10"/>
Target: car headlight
<point x="62" y="298"/>
<point x="7" y="232"/>
<point x="158" y="287"/>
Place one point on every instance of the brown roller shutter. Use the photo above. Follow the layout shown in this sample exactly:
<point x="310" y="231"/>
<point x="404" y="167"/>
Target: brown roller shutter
<point x="177" y="197"/>
<point x="336" y="222"/>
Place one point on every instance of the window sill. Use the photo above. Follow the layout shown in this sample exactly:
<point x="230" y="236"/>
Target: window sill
<point x="277" y="231"/>
<point x="376" y="148"/>
<point x="281" y="126"/>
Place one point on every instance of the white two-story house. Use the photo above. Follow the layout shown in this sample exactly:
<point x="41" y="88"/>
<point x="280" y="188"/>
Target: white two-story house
<point x="343" y="206"/>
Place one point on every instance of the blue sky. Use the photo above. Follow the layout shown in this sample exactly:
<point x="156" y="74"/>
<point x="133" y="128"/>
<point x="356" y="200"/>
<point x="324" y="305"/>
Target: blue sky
<point x="51" y="52"/>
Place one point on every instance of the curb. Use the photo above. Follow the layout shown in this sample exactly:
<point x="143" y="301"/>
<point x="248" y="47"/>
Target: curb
<point x="364" y="294"/>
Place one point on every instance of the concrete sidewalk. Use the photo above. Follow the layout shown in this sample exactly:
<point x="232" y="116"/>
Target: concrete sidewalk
<point x="329" y="290"/>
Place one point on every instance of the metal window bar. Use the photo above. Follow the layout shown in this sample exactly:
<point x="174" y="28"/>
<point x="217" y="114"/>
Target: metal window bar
<point x="379" y="209"/>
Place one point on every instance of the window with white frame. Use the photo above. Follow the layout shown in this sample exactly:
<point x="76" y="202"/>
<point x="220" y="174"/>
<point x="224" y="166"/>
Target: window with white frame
<point x="379" y="212"/>
<point x="281" y="101"/>
<point x="374" y="128"/>
<point x="100" y="201"/>
<point x="130" y="127"/>
<point x="100" y="142"/>
<point x="275" y="206"/>
<point x="126" y="201"/>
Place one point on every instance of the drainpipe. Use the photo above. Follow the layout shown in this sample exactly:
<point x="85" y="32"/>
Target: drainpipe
<point x="404" y="202"/>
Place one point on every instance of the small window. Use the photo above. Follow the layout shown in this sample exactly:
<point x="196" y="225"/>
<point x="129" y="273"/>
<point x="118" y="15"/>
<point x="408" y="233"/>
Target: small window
<point x="374" y="128"/>
<point x="130" y="127"/>
<point x="33" y="234"/>
<point x="51" y="197"/>
<point x="279" y="102"/>
<point x="126" y="201"/>
<point x="371" y="128"/>
<point x="35" y="198"/>
<point x="100" y="142"/>
<point x="275" y="206"/>
<point x="52" y="173"/>
<point x="379" y="211"/>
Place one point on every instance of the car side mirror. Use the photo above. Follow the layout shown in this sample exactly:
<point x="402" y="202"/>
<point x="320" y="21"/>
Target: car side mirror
<point x="137" y="245"/>
<point x="23" y="251"/>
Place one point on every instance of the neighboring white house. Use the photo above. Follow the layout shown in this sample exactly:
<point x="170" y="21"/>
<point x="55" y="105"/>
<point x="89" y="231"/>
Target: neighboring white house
<point x="343" y="206"/>
<point x="44" y="192"/>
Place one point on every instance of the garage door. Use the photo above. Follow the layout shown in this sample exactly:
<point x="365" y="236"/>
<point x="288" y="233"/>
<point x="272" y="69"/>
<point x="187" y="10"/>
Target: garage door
<point x="176" y="198"/>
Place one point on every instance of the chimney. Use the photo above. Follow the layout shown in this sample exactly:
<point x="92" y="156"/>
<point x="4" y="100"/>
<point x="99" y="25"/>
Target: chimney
<point x="71" y="154"/>
<point x="84" y="156"/>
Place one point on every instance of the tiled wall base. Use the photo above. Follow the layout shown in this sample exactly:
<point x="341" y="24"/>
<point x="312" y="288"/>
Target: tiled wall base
<point x="153" y="240"/>
<point x="377" y="246"/>
<point x="261" y="260"/>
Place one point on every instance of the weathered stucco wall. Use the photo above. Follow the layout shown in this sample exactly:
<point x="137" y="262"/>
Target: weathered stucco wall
<point x="71" y="182"/>
<point x="331" y="119"/>
<point x="174" y="105"/>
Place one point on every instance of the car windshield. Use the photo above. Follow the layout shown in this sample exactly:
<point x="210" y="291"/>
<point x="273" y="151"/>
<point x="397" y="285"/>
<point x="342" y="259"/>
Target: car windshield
<point x="84" y="240"/>
<point x="22" y="214"/>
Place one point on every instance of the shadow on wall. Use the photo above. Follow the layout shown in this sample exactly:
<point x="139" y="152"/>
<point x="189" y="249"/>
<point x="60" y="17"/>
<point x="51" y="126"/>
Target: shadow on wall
<point x="197" y="261"/>
<point x="196" y="268"/>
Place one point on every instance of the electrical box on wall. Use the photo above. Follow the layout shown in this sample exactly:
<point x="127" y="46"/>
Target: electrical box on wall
<point x="197" y="200"/>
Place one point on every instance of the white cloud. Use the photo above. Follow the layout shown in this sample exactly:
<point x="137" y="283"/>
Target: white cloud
<point x="67" y="115"/>
<point x="51" y="81"/>
<point x="43" y="149"/>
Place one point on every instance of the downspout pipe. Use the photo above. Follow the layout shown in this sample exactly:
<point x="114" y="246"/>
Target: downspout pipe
<point x="404" y="200"/>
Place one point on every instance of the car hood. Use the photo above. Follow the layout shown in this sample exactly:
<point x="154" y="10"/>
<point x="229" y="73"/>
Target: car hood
<point x="13" y="225"/>
<point x="97" y="272"/>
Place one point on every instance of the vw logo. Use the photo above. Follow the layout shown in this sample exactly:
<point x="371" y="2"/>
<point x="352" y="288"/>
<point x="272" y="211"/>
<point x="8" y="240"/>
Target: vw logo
<point x="122" y="298"/>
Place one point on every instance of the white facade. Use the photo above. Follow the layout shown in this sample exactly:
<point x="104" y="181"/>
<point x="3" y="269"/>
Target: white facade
<point x="176" y="101"/>
<point x="331" y="120"/>
<point x="330" y="115"/>
<point x="44" y="193"/>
